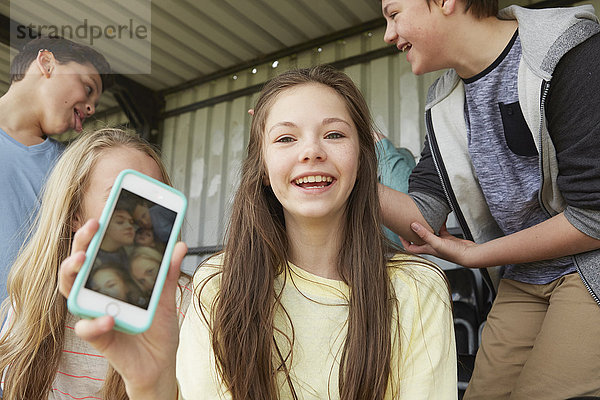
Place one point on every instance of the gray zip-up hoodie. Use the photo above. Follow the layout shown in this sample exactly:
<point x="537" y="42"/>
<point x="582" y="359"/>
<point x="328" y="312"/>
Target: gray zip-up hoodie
<point x="546" y="36"/>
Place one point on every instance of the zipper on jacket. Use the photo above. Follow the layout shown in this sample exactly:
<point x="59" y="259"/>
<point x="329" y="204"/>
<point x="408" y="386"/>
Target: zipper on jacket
<point x="447" y="188"/>
<point x="587" y="286"/>
<point x="545" y="90"/>
<point x="444" y="179"/>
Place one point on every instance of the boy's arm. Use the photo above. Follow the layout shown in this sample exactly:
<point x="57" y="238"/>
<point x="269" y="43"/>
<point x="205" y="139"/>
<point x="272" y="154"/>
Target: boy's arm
<point x="574" y="126"/>
<point x="553" y="238"/>
<point x="399" y="211"/>
<point x="426" y="203"/>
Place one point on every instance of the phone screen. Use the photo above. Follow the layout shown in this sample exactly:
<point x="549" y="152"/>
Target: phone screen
<point x="132" y="249"/>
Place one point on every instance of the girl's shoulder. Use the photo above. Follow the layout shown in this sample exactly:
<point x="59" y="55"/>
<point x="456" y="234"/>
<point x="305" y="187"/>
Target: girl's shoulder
<point x="418" y="276"/>
<point x="405" y="263"/>
<point x="209" y="267"/>
<point x="183" y="296"/>
<point x="207" y="277"/>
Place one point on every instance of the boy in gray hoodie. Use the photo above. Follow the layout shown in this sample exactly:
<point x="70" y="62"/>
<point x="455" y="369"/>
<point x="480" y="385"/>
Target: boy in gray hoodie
<point x="511" y="148"/>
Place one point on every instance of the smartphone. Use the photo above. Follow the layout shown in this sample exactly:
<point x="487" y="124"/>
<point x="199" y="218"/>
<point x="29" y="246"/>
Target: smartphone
<point x="128" y="258"/>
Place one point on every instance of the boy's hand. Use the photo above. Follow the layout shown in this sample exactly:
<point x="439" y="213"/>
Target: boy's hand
<point x="446" y="246"/>
<point x="146" y="362"/>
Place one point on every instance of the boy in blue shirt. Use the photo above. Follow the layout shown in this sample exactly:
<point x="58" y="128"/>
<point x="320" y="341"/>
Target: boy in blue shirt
<point x="55" y="85"/>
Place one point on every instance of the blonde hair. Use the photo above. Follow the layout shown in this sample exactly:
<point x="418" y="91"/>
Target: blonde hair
<point x="146" y="252"/>
<point x="31" y="348"/>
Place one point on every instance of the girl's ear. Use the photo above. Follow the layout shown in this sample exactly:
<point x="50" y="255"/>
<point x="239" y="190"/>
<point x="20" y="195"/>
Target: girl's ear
<point x="448" y="6"/>
<point x="45" y="62"/>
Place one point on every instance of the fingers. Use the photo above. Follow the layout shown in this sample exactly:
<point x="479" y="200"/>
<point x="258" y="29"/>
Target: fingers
<point x="68" y="272"/>
<point x="179" y="252"/>
<point x="84" y="236"/>
<point x="405" y="243"/>
<point x="444" y="246"/>
<point x="91" y="330"/>
<point x="429" y="240"/>
<point x="98" y="332"/>
<point x="444" y="230"/>
<point x="421" y="231"/>
<point x="72" y="264"/>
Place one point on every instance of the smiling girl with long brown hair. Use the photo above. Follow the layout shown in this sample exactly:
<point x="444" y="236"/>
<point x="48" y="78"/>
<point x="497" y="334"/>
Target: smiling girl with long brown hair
<point x="306" y="301"/>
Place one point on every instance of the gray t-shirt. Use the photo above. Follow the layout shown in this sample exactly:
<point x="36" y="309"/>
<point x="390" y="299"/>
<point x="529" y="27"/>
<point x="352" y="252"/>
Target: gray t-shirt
<point x="23" y="171"/>
<point x="506" y="160"/>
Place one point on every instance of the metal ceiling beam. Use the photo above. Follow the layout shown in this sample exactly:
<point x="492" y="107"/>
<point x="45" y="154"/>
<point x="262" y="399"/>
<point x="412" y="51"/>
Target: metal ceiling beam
<point x="141" y="105"/>
<point x="339" y="64"/>
<point x="311" y="44"/>
<point x="7" y="26"/>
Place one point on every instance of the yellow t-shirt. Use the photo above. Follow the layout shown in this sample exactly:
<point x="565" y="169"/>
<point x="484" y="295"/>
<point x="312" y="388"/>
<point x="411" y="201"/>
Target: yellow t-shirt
<point x="423" y="363"/>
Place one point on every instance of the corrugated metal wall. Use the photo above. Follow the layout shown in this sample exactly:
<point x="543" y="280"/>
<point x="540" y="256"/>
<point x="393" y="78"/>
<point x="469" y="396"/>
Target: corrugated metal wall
<point x="5" y="57"/>
<point x="203" y="149"/>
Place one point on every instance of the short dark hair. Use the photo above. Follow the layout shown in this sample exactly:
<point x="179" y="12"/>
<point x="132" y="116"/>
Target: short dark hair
<point x="480" y="8"/>
<point x="64" y="51"/>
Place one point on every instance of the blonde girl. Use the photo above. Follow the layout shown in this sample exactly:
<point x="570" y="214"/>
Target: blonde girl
<point x="40" y="355"/>
<point x="306" y="302"/>
<point x="144" y="264"/>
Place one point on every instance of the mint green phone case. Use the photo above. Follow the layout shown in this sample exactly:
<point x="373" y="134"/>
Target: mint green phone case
<point x="81" y="278"/>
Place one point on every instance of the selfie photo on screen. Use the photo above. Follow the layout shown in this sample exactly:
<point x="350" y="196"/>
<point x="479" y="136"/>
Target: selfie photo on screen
<point x="132" y="249"/>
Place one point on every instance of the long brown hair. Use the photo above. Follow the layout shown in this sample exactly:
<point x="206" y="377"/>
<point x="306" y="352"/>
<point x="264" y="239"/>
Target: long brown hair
<point x="256" y="251"/>
<point x="31" y="349"/>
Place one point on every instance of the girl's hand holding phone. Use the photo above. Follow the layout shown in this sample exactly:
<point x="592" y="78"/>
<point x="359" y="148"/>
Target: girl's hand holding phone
<point x="146" y="362"/>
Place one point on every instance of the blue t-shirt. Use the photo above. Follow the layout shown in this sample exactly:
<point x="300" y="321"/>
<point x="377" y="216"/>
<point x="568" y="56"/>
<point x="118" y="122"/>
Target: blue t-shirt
<point x="23" y="171"/>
